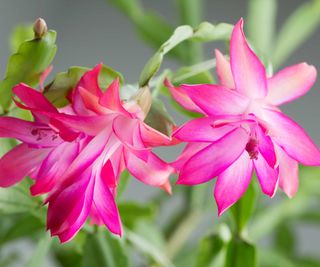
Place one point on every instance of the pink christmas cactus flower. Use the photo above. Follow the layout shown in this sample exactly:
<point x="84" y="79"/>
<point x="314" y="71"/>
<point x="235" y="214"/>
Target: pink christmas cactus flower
<point x="243" y="129"/>
<point x="78" y="153"/>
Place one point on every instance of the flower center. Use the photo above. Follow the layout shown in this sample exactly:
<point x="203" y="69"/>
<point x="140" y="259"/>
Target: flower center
<point x="41" y="133"/>
<point x="252" y="148"/>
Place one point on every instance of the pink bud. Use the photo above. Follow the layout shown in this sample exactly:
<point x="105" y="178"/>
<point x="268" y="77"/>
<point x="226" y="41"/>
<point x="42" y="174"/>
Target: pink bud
<point x="40" y="28"/>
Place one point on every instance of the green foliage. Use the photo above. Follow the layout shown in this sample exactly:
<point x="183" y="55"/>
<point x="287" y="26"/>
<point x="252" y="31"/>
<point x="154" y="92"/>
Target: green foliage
<point x="299" y="27"/>
<point x="27" y="64"/>
<point x="204" y="33"/>
<point x="104" y="249"/>
<point x="261" y="24"/>
<point x="241" y="253"/>
<point x="19" y="35"/>
<point x="41" y="251"/>
<point x="64" y="82"/>
<point x="243" y="209"/>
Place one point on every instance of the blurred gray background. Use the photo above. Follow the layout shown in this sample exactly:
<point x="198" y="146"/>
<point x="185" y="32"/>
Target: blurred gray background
<point x="91" y="31"/>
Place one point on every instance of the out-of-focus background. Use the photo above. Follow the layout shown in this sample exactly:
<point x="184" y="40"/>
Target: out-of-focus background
<point x="93" y="31"/>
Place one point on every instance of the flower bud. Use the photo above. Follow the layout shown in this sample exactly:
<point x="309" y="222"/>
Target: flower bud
<point x="143" y="99"/>
<point x="40" y="28"/>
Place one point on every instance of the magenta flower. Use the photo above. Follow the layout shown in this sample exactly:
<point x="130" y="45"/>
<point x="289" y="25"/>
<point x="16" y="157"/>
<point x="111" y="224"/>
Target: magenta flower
<point x="243" y="129"/>
<point x="78" y="153"/>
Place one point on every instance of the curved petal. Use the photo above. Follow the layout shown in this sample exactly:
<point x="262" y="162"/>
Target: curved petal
<point x="152" y="138"/>
<point x="291" y="83"/>
<point x="106" y="206"/>
<point x="32" y="133"/>
<point x="89" y="80"/>
<point x="288" y="173"/>
<point x="32" y="98"/>
<point x="248" y="72"/>
<point x="152" y="171"/>
<point x="224" y="70"/>
<point x="233" y="183"/>
<point x="53" y="167"/>
<point x="190" y="150"/>
<point x="214" y="159"/>
<point x="111" y="98"/>
<point x="66" y="208"/>
<point x="266" y="147"/>
<point x="268" y="177"/>
<point x="201" y="130"/>
<point x="182" y="98"/>
<point x="91" y="101"/>
<point x="292" y="138"/>
<point x="20" y="162"/>
<point x="216" y="100"/>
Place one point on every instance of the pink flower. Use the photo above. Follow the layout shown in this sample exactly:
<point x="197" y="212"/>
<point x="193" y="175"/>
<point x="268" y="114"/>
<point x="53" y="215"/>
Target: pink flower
<point x="242" y="128"/>
<point x="78" y="154"/>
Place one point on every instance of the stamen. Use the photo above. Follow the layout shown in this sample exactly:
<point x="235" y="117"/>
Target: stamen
<point x="252" y="148"/>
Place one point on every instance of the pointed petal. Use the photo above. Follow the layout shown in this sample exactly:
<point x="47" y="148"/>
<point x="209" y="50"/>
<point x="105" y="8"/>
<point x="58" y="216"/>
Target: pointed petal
<point x="111" y="98"/>
<point x="19" y="162"/>
<point x="33" y="99"/>
<point x="152" y="138"/>
<point x="89" y="80"/>
<point x="216" y="100"/>
<point x="214" y="159"/>
<point x="233" y="183"/>
<point x="53" y="167"/>
<point x="190" y="150"/>
<point x="182" y="97"/>
<point x="288" y="173"/>
<point x="66" y="208"/>
<point x="292" y="138"/>
<point x="106" y="206"/>
<point x="291" y="83"/>
<point x="201" y="130"/>
<point x="224" y="70"/>
<point x="153" y="171"/>
<point x="268" y="177"/>
<point x="91" y="101"/>
<point x="266" y="147"/>
<point x="248" y="72"/>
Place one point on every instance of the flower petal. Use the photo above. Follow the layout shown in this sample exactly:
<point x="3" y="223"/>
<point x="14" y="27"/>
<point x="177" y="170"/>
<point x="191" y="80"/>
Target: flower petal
<point x="268" y="177"/>
<point x="266" y="147"/>
<point x="214" y="159"/>
<point x="153" y="138"/>
<point x="54" y="166"/>
<point x="216" y="100"/>
<point x="288" y="173"/>
<point x="106" y="206"/>
<point x="224" y="70"/>
<point x="89" y="80"/>
<point x="292" y="138"/>
<point x="152" y="171"/>
<point x="111" y="98"/>
<point x="248" y="72"/>
<point x="291" y="83"/>
<point x="233" y="183"/>
<point x="182" y="97"/>
<point x="201" y="130"/>
<point x="20" y="162"/>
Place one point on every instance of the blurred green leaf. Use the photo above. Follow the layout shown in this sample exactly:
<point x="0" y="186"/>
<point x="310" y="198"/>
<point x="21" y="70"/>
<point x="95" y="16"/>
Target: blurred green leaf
<point x="147" y="248"/>
<point x="240" y="253"/>
<point x="261" y="24"/>
<point x="123" y="183"/>
<point x="243" y="209"/>
<point x="268" y="258"/>
<point x="159" y="118"/>
<point x="151" y="232"/>
<point x="26" y="66"/>
<point x="207" y="32"/>
<point x="132" y="212"/>
<point x="150" y="69"/>
<point x="6" y="144"/>
<point x="104" y="249"/>
<point x="17" y="199"/>
<point x="19" y="35"/>
<point x="296" y="30"/>
<point x="285" y="239"/>
<point x="41" y="251"/>
<point x="21" y="226"/>
<point x="64" y="82"/>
